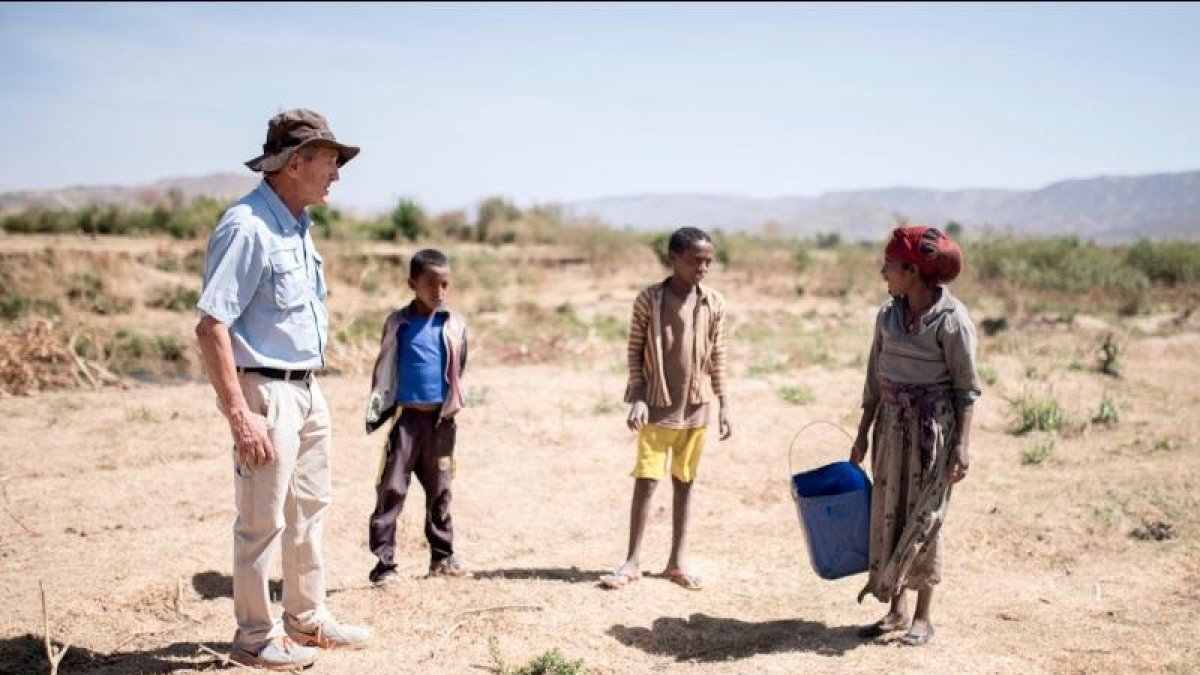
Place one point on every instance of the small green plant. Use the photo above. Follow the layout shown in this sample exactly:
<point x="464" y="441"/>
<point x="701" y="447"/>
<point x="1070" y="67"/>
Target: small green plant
<point x="660" y="244"/>
<point x="477" y="396"/>
<point x="174" y="298"/>
<point x="1166" y="444"/>
<point x="803" y="259"/>
<point x="1038" y="453"/>
<point x="765" y="365"/>
<point x="1109" y="352"/>
<point x="1075" y="365"/>
<point x="549" y="663"/>
<point x="1107" y="414"/>
<point x="797" y="395"/>
<point x="15" y="306"/>
<point x="141" y="414"/>
<point x="86" y="291"/>
<point x="1037" y="414"/>
<point x="610" y="329"/>
<point x="989" y="375"/>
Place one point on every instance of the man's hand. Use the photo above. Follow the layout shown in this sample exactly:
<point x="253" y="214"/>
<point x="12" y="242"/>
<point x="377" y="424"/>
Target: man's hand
<point x="250" y="438"/>
<point x="859" y="451"/>
<point x="724" y="424"/>
<point x="959" y="462"/>
<point x="639" y="415"/>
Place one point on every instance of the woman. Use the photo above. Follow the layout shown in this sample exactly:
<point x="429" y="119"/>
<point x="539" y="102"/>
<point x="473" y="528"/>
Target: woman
<point x="921" y="384"/>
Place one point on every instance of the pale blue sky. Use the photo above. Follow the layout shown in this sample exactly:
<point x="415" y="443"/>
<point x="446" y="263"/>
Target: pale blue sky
<point x="547" y="102"/>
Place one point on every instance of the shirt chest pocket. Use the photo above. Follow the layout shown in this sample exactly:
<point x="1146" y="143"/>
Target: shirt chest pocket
<point x="288" y="277"/>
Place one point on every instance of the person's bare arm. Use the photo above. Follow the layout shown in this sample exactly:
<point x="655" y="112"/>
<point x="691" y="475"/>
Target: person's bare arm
<point x="859" y="451"/>
<point x="724" y="423"/>
<point x="248" y="429"/>
<point x="960" y="458"/>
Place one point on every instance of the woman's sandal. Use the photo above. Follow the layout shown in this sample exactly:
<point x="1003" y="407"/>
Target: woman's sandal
<point x="917" y="639"/>
<point x="688" y="581"/>
<point x="880" y="628"/>
<point x="619" y="579"/>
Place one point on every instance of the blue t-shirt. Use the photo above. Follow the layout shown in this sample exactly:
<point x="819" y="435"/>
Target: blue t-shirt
<point x="422" y="364"/>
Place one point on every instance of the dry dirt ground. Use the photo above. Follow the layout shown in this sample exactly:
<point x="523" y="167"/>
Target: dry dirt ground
<point x="121" y="503"/>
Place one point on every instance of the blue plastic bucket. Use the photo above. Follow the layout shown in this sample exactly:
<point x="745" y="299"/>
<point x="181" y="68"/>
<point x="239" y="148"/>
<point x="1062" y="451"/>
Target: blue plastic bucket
<point x="833" y="505"/>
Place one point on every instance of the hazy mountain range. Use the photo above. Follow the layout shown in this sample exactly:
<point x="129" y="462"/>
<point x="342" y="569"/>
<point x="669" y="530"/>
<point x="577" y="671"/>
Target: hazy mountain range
<point x="1105" y="209"/>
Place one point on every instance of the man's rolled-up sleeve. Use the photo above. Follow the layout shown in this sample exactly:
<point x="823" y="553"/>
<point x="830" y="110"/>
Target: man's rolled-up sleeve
<point x="233" y="270"/>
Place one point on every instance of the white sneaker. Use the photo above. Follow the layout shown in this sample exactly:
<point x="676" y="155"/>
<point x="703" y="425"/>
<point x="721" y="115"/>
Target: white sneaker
<point x="331" y="635"/>
<point x="280" y="653"/>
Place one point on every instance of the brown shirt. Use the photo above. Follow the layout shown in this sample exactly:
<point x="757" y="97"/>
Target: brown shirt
<point x="678" y="315"/>
<point x="647" y="376"/>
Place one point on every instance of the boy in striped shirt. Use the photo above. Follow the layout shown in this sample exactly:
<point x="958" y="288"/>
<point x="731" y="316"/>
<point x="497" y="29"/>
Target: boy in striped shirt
<point x="676" y="368"/>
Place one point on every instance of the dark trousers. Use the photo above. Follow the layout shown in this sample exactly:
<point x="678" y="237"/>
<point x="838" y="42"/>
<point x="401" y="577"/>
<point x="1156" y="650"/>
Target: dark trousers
<point x="416" y="444"/>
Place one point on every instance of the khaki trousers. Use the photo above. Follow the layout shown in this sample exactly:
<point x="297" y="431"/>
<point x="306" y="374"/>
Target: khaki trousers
<point x="285" y="502"/>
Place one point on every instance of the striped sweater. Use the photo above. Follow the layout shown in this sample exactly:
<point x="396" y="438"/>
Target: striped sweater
<point x="647" y="379"/>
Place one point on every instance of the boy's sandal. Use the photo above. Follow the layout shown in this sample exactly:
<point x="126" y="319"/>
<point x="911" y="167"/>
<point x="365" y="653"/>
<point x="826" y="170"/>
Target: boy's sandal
<point x="916" y="640"/>
<point x="688" y="581"/>
<point x="619" y="579"/>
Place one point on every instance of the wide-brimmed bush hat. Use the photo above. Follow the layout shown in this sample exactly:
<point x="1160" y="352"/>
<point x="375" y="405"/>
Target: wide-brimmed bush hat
<point x="291" y="130"/>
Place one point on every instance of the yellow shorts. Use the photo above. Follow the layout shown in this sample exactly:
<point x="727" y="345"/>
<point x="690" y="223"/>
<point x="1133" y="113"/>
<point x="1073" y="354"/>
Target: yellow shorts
<point x="685" y="446"/>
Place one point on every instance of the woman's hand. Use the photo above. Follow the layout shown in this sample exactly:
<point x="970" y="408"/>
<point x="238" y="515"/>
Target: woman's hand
<point x="859" y="451"/>
<point x="959" y="462"/>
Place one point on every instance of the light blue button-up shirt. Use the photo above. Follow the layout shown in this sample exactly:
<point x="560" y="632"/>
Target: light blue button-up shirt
<point x="264" y="279"/>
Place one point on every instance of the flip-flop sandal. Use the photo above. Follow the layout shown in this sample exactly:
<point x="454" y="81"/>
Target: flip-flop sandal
<point x="917" y="640"/>
<point x="688" y="581"/>
<point x="881" y="628"/>
<point x="619" y="579"/>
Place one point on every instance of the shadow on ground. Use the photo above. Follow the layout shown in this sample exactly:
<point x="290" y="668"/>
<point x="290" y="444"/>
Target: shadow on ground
<point x="27" y="654"/>
<point x="572" y="575"/>
<point x="211" y="585"/>
<point x="710" y="638"/>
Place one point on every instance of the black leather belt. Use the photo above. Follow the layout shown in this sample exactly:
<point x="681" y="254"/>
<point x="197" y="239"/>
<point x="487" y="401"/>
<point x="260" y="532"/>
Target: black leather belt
<point x="276" y="374"/>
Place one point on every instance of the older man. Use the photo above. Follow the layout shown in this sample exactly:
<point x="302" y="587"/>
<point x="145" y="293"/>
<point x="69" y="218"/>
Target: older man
<point x="262" y="333"/>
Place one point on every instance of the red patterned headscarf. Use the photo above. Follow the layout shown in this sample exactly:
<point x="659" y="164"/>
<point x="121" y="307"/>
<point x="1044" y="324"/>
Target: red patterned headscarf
<point x="935" y="255"/>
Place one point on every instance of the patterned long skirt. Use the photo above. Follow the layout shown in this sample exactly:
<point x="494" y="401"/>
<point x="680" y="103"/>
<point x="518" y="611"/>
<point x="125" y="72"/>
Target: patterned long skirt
<point x="910" y="465"/>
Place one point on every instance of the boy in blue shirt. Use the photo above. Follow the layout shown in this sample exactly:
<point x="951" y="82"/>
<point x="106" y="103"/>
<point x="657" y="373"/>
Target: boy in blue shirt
<point x="421" y="359"/>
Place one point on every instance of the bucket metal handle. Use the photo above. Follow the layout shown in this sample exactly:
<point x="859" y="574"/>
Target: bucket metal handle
<point x="792" y="445"/>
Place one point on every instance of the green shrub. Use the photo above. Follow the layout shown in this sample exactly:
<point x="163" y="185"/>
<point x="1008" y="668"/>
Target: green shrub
<point x="86" y="291"/>
<point x="1062" y="264"/>
<point x="610" y="329"/>
<point x="174" y="298"/>
<point x="797" y="395"/>
<point x="803" y="260"/>
<point x="766" y="364"/>
<point x="1169" y="262"/>
<point x="1036" y="454"/>
<point x="1107" y="414"/>
<point x="365" y="326"/>
<point x="989" y="375"/>
<point x="549" y="663"/>
<point x="16" y="306"/>
<point x="661" y="245"/>
<point x="1037" y="414"/>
